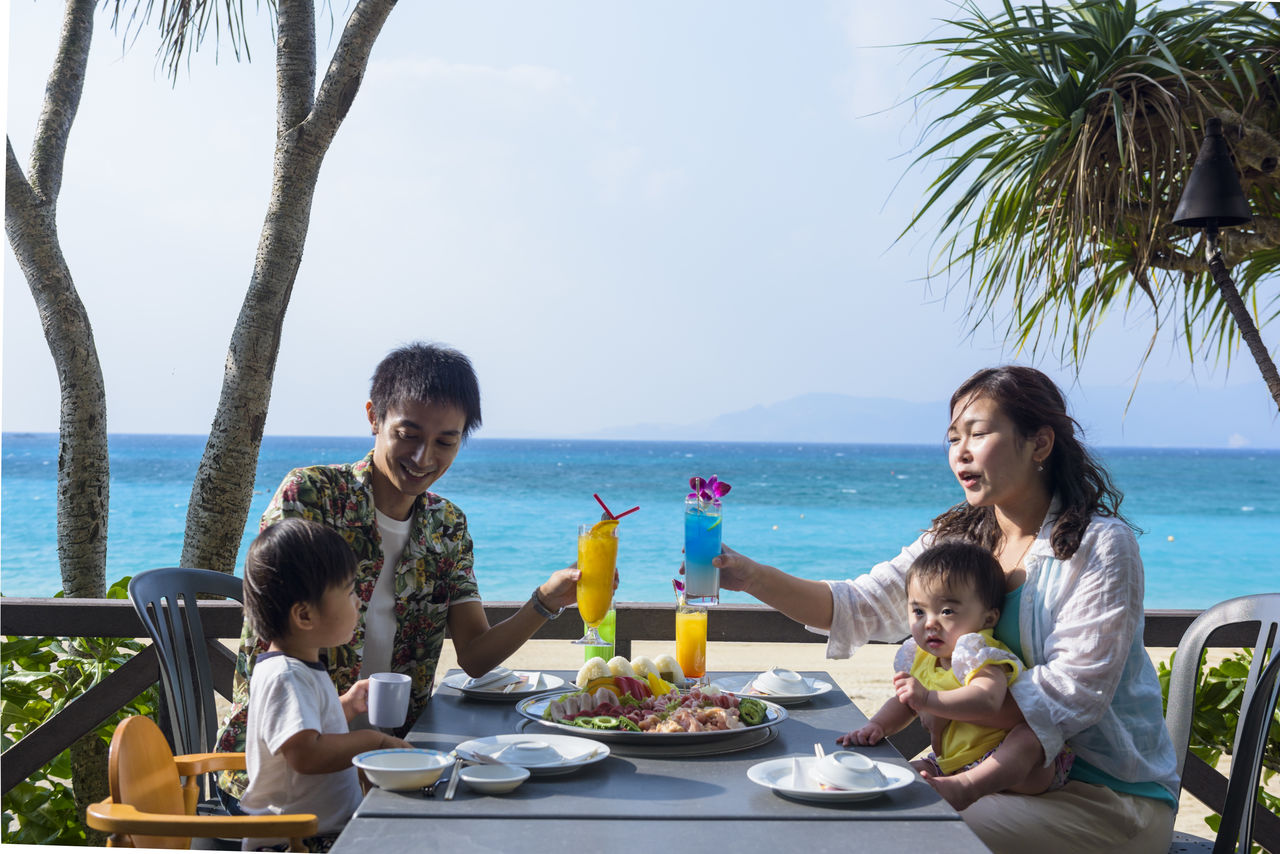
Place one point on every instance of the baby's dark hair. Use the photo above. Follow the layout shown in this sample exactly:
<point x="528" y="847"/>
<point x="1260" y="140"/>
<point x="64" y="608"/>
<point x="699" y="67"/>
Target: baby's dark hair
<point x="956" y="563"/>
<point x="292" y="561"/>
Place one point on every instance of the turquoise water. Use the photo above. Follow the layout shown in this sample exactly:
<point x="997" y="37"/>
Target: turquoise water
<point x="1210" y="519"/>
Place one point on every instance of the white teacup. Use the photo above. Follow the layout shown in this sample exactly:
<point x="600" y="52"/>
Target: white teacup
<point x="776" y="680"/>
<point x="388" y="699"/>
<point x="845" y="769"/>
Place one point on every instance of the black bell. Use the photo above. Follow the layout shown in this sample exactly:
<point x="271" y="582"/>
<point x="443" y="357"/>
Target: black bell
<point x="1212" y="197"/>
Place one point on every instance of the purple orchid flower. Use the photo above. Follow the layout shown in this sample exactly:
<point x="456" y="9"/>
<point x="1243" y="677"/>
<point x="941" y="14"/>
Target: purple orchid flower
<point x="709" y="491"/>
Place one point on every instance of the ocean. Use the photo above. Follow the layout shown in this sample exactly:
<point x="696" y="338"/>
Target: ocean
<point x="1209" y="519"/>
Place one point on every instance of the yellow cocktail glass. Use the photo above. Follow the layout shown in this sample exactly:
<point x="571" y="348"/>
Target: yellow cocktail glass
<point x="691" y="640"/>
<point x="597" y="556"/>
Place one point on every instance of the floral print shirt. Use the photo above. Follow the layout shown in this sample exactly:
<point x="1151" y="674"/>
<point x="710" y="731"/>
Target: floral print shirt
<point x="434" y="572"/>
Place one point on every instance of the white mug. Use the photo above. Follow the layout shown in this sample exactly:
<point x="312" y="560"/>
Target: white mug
<point x="388" y="699"/>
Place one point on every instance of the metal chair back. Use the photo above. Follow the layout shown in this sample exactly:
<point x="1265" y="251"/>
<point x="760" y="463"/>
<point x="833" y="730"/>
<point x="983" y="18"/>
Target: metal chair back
<point x="166" y="601"/>
<point x="1235" y="833"/>
<point x="1263" y="609"/>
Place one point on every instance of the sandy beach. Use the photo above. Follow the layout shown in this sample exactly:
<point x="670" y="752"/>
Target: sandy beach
<point x="865" y="678"/>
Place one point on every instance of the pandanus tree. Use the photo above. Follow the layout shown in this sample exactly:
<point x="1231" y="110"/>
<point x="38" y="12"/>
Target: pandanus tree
<point x="1063" y="140"/>
<point x="309" y="111"/>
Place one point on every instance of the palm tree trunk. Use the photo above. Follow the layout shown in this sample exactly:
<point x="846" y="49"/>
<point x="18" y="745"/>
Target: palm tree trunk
<point x="31" y="225"/>
<point x="1244" y="321"/>
<point x="306" y="122"/>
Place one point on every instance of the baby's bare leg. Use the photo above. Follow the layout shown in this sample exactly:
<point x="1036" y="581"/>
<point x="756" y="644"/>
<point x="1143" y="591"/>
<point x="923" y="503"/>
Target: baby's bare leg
<point x="1013" y="766"/>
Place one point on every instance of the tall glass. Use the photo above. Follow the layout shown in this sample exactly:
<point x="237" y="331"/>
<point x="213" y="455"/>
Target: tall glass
<point x="701" y="543"/>
<point x="691" y="640"/>
<point x="608" y="630"/>
<point x="597" y="554"/>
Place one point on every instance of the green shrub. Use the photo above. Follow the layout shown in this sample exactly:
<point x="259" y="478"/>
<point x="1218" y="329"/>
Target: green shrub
<point x="40" y="676"/>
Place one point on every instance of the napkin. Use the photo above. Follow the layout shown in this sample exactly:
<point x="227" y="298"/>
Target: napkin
<point x="495" y="678"/>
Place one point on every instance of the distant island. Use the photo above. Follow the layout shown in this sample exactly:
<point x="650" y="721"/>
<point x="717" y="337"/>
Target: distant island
<point x="1158" y="417"/>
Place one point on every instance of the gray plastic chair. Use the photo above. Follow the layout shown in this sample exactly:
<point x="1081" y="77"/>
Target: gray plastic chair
<point x="165" y="600"/>
<point x="1246" y="767"/>
<point x="1263" y="609"/>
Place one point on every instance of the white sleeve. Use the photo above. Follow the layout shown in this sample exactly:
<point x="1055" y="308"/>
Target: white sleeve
<point x="971" y="654"/>
<point x="872" y="606"/>
<point x="1083" y="616"/>
<point x="292" y="702"/>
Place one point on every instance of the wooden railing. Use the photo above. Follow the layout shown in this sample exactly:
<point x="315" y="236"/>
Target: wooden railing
<point x="636" y="621"/>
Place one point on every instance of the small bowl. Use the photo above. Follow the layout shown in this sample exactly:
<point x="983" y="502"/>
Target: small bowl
<point x="776" y="680"/>
<point x="402" y="769"/>
<point x="525" y="753"/>
<point x="845" y="769"/>
<point x="493" y="779"/>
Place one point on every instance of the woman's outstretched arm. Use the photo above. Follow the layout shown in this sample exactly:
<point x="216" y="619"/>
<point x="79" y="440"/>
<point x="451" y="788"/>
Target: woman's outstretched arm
<point x="807" y="602"/>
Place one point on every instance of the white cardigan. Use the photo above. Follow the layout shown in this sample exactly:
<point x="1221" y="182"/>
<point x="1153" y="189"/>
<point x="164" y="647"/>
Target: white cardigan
<point x="1089" y="681"/>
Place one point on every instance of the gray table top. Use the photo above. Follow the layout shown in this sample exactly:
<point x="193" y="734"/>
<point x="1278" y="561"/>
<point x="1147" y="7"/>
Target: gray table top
<point x="631" y="784"/>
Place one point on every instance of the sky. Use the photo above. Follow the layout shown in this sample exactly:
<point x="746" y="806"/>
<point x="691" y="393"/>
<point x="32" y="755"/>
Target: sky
<point x="623" y="213"/>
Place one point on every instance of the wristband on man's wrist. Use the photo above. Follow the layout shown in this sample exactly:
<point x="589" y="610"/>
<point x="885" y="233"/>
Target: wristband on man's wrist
<point x="543" y="610"/>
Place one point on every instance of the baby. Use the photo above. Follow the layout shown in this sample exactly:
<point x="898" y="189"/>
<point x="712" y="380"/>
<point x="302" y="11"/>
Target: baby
<point x="299" y="594"/>
<point x="954" y="670"/>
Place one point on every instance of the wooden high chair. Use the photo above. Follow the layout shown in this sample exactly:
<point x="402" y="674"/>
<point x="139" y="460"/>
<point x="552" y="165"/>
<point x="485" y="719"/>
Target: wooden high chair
<point x="150" y="807"/>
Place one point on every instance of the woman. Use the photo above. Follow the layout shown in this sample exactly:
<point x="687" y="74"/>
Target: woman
<point x="414" y="556"/>
<point x="1073" y="612"/>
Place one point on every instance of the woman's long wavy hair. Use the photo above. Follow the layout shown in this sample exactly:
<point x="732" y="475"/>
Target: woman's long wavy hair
<point x="1031" y="400"/>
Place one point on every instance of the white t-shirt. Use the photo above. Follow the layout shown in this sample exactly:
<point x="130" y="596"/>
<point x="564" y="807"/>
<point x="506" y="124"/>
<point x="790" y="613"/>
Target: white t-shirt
<point x="286" y="697"/>
<point x="380" y="615"/>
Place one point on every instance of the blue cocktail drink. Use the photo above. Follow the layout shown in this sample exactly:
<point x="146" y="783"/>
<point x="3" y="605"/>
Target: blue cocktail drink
<point x="702" y="527"/>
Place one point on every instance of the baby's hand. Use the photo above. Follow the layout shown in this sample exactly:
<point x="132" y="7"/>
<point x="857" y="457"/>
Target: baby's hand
<point x="356" y="700"/>
<point x="872" y="733"/>
<point x="910" y="692"/>
<point x="390" y="741"/>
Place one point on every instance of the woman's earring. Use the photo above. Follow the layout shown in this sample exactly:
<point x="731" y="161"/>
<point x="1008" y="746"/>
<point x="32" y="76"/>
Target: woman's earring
<point x="1039" y="467"/>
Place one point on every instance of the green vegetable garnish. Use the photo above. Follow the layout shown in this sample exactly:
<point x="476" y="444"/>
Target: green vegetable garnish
<point x="604" y="722"/>
<point x="751" y="711"/>
<point x="627" y="724"/>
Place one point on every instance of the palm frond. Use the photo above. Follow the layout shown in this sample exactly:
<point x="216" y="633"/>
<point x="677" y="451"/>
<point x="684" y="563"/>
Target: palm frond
<point x="1057" y="167"/>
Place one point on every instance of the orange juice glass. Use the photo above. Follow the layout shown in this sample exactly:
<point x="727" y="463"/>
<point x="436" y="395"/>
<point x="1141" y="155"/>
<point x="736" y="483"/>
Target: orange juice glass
<point x="597" y="555"/>
<point x="691" y="640"/>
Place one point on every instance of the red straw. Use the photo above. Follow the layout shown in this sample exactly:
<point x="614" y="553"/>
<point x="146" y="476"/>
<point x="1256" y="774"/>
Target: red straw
<point x="626" y="512"/>
<point x="607" y="512"/>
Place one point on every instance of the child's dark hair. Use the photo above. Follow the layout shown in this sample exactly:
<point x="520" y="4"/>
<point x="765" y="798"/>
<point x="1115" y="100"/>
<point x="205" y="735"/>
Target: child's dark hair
<point x="956" y="563"/>
<point x="426" y="372"/>
<point x="292" y="561"/>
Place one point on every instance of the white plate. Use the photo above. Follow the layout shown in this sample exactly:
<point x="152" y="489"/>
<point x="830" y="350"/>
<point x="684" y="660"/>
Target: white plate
<point x="533" y="708"/>
<point x="742" y="685"/>
<point x="535" y="683"/>
<point x="575" y="752"/>
<point x="777" y="774"/>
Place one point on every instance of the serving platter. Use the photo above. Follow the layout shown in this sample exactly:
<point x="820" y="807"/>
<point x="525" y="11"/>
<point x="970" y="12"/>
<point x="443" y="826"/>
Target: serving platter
<point x="532" y="708"/>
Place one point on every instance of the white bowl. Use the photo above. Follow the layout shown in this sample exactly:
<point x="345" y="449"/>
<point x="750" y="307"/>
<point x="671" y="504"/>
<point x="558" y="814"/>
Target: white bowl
<point x="530" y="752"/>
<point x="400" y="769"/>
<point x="493" y="779"/>
<point x="845" y="769"/>
<point x="776" y="680"/>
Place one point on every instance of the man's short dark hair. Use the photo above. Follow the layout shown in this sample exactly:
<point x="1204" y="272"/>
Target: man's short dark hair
<point x="429" y="373"/>
<point x="956" y="563"/>
<point x="295" y="560"/>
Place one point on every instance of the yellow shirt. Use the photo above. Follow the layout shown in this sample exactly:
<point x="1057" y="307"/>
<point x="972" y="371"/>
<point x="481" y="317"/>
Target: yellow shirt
<point x="964" y="742"/>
